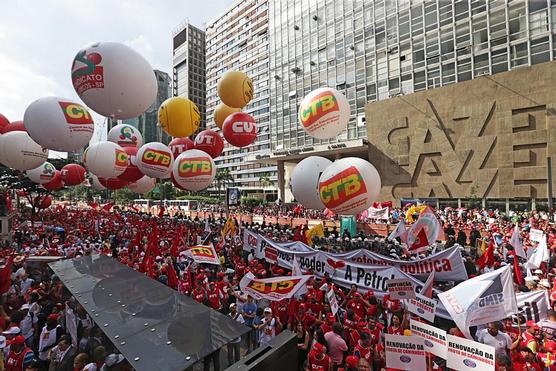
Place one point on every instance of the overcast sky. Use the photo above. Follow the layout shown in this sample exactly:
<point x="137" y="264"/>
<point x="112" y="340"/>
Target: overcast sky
<point x="38" y="39"/>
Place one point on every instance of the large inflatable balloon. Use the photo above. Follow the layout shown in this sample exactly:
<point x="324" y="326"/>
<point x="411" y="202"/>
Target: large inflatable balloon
<point x="143" y="185"/>
<point x="324" y="113"/>
<point x="126" y="136"/>
<point x="95" y="183"/>
<point x="114" y="80"/>
<point x="59" y="124"/>
<point x="155" y="160"/>
<point x="179" y="117"/>
<point x="105" y="159"/>
<point x="176" y="184"/>
<point x="209" y="141"/>
<point x="73" y="174"/>
<point x="194" y="170"/>
<point x="240" y="129"/>
<point x="42" y="174"/>
<point x="3" y="122"/>
<point x="235" y="89"/>
<point x="349" y="186"/>
<point x="132" y="172"/>
<point x="14" y="126"/>
<point x="20" y="152"/>
<point x="179" y="145"/>
<point x="43" y="202"/>
<point x="305" y="181"/>
<point x="56" y="183"/>
<point x="113" y="184"/>
<point x="221" y="113"/>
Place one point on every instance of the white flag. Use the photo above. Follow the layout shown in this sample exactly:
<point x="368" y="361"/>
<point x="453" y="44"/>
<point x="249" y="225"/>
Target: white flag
<point x="399" y="231"/>
<point x="485" y="298"/>
<point x="515" y="241"/>
<point x="540" y="255"/>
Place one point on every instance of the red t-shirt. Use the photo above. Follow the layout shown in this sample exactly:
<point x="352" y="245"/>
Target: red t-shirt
<point x="395" y="331"/>
<point x="280" y="309"/>
<point x="357" y="306"/>
<point x="319" y="365"/>
<point x="199" y="296"/>
<point x="214" y="299"/>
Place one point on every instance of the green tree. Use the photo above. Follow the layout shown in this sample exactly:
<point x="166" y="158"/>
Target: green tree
<point x="223" y="176"/>
<point x="265" y="181"/>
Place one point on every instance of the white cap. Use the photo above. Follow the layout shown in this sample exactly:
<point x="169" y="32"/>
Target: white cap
<point x="14" y="330"/>
<point x="268" y="310"/>
<point x="537" y="271"/>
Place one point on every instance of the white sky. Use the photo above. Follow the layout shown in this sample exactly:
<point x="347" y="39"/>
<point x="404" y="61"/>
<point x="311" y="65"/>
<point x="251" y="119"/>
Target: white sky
<point x="38" y="40"/>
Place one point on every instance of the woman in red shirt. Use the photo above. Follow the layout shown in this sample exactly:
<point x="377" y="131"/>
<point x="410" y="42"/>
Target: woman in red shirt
<point x="396" y="327"/>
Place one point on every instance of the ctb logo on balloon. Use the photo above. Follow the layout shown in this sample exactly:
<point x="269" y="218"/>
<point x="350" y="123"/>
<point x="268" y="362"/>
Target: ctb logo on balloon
<point x="194" y="166"/>
<point x="342" y="187"/>
<point x="121" y="158"/>
<point x="75" y="113"/>
<point x="322" y="104"/>
<point x="154" y="157"/>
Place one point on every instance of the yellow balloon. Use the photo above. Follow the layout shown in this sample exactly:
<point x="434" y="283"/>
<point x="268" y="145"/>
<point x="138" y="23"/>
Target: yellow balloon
<point x="179" y="117"/>
<point x="235" y="89"/>
<point x="221" y="112"/>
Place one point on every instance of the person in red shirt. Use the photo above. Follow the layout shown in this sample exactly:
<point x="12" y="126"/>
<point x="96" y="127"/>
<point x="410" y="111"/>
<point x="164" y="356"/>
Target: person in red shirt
<point x="548" y="359"/>
<point x="280" y="309"/>
<point x="357" y="305"/>
<point x="304" y="317"/>
<point x="214" y="297"/>
<point x="524" y="360"/>
<point x="375" y="329"/>
<point x="396" y="327"/>
<point x="318" y="360"/>
<point x="530" y="336"/>
<point x="327" y="325"/>
<point x="363" y="348"/>
<point x="199" y="295"/>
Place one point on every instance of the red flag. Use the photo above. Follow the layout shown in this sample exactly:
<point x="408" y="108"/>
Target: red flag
<point x="161" y="212"/>
<point x="386" y="204"/>
<point x="154" y="240"/>
<point x="107" y="207"/>
<point x="428" y="286"/>
<point x="487" y="259"/>
<point x="93" y="205"/>
<point x="6" y="276"/>
<point x="518" y="275"/>
<point x="172" y="276"/>
<point x="420" y="241"/>
<point x="175" y="242"/>
<point x="297" y="234"/>
<point x="146" y="260"/>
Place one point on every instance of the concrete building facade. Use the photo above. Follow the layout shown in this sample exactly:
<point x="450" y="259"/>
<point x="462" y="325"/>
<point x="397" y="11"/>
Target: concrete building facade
<point x="238" y="40"/>
<point x="189" y="71"/>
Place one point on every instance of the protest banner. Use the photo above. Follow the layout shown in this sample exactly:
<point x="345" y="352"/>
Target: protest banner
<point x="422" y="306"/>
<point x="536" y="235"/>
<point x="274" y="289"/>
<point x="203" y="254"/>
<point x="405" y="352"/>
<point x="401" y="288"/>
<point x="482" y="299"/>
<point x="447" y="264"/>
<point x="331" y="296"/>
<point x="434" y="338"/>
<point x="465" y="354"/>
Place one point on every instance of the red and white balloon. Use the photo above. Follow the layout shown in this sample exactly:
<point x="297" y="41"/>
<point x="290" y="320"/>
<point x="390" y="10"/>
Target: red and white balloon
<point x="42" y="174"/>
<point x="240" y="129"/>
<point x="179" y="145"/>
<point x="56" y="183"/>
<point x="194" y="170"/>
<point x="126" y="136"/>
<point x="105" y="159"/>
<point x="132" y="173"/>
<point x="59" y="124"/>
<point x="73" y="174"/>
<point x="20" y="152"/>
<point x="155" y="160"/>
<point x="209" y="141"/>
<point x="143" y="185"/>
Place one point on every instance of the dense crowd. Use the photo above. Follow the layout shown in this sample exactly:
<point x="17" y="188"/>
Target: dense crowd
<point x="34" y="317"/>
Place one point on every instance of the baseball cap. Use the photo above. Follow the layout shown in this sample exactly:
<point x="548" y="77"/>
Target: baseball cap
<point x="532" y="324"/>
<point x="25" y="306"/>
<point x="318" y="348"/>
<point x="233" y="305"/>
<point x="268" y="310"/>
<point x="18" y="340"/>
<point x="14" y="330"/>
<point x="352" y="361"/>
<point x="53" y="317"/>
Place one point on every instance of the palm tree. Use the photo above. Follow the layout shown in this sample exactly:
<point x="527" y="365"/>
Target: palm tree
<point x="223" y="176"/>
<point x="265" y="181"/>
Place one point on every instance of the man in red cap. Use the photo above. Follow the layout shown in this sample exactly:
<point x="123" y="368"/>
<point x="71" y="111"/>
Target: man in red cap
<point x="20" y="355"/>
<point x="327" y="325"/>
<point x="357" y="304"/>
<point x="318" y="360"/>
<point x="530" y="336"/>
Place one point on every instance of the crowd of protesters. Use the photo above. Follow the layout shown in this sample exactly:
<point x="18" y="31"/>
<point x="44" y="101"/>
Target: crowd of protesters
<point x="33" y="314"/>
